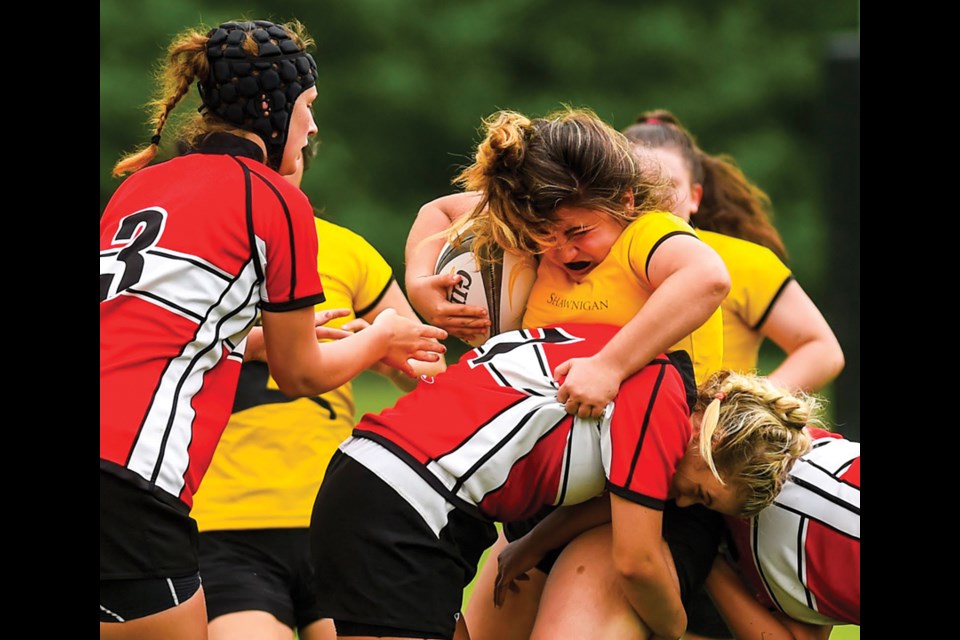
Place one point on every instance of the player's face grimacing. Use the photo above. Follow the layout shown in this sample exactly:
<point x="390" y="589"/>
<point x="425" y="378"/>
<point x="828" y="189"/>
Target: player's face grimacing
<point x="302" y="126"/>
<point x="694" y="483"/>
<point x="582" y="239"/>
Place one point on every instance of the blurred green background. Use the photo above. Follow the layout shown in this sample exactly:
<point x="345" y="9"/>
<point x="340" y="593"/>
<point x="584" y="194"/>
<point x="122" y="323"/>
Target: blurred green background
<point x="403" y="86"/>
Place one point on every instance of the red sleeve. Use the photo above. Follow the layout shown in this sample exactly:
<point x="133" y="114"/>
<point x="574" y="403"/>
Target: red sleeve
<point x="285" y="238"/>
<point x="649" y="433"/>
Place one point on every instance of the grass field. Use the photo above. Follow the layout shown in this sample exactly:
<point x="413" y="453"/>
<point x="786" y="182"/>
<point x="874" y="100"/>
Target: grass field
<point x="373" y="393"/>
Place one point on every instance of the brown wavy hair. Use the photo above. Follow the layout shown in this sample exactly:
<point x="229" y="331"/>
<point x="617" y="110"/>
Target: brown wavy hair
<point x="526" y="169"/>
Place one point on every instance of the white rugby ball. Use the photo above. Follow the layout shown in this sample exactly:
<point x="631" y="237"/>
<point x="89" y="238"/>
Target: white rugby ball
<point x="501" y="286"/>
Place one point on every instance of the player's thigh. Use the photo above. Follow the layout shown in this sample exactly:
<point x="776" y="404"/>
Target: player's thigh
<point x="320" y="630"/>
<point x="582" y="597"/>
<point x="248" y="625"/>
<point x="186" y="621"/>
<point x="512" y="621"/>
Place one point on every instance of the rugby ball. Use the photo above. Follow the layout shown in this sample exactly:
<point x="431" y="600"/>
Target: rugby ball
<point x="500" y="285"/>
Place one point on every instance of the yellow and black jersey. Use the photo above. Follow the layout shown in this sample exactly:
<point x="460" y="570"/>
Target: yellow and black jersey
<point x="758" y="277"/>
<point x="617" y="289"/>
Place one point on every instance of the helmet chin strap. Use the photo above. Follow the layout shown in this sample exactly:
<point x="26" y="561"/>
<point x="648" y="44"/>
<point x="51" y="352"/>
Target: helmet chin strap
<point x="256" y="92"/>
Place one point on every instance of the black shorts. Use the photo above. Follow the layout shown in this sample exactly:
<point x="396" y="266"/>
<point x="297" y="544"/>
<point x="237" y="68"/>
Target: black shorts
<point x="380" y="567"/>
<point x="144" y="532"/>
<point x="259" y="570"/>
<point x="693" y="535"/>
<point x="125" y="600"/>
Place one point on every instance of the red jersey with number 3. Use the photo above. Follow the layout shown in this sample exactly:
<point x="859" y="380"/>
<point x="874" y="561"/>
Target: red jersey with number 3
<point x="490" y="434"/>
<point x="802" y="553"/>
<point x="188" y="251"/>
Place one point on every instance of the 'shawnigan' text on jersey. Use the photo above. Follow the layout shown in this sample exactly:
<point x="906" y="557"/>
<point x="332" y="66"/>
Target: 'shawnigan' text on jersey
<point x="490" y="435"/>
<point x="188" y="250"/>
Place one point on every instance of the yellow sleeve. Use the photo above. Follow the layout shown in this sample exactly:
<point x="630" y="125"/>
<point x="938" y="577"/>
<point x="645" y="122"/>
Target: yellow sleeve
<point x="358" y="269"/>
<point x="757" y="276"/>
<point x="644" y="235"/>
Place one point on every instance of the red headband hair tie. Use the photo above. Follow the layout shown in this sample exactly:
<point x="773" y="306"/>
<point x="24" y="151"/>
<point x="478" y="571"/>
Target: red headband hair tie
<point x="653" y="121"/>
<point x="721" y="396"/>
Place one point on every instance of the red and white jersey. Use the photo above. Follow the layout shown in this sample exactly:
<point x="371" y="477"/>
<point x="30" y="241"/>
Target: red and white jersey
<point x="803" y="552"/>
<point x="188" y="251"/>
<point x="490" y="435"/>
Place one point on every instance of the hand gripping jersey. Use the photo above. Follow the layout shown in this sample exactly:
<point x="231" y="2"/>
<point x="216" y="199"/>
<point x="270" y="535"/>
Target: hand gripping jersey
<point x="616" y="290"/>
<point x="490" y="435"/>
<point x="803" y="552"/>
<point x="189" y="249"/>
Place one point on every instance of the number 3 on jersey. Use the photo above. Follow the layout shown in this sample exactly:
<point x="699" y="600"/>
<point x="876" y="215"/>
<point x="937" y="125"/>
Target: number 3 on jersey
<point x="121" y="266"/>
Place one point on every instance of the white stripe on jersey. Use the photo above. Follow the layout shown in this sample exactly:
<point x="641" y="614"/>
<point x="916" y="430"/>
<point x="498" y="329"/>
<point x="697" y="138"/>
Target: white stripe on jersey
<point x="261" y="255"/>
<point x="583" y="474"/>
<point x="167" y="430"/>
<point x="779" y="532"/>
<point x="814" y="491"/>
<point x="432" y="507"/>
<point x="166" y="278"/>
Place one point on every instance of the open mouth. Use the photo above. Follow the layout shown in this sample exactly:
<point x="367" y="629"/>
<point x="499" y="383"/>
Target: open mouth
<point x="580" y="265"/>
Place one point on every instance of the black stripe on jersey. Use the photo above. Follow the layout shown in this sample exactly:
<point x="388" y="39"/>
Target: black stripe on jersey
<point x="498" y="375"/>
<point x="801" y="556"/>
<point x="293" y="246"/>
<point x="165" y="302"/>
<point x="829" y="497"/>
<point x="537" y="351"/>
<point x="481" y="427"/>
<point x="755" y="543"/>
<point x="773" y="301"/>
<point x="423" y="472"/>
<point x="646" y="423"/>
<point x="821" y="442"/>
<point x="638" y="498"/>
<point x="189" y="369"/>
<point x="492" y="451"/>
<point x="293" y="305"/>
<point x="808" y="516"/>
<point x="567" y="454"/>
<point x="370" y="307"/>
<point x="531" y="392"/>
<point x="248" y="213"/>
<point x="653" y="249"/>
<point x="197" y="263"/>
<point x="843" y="469"/>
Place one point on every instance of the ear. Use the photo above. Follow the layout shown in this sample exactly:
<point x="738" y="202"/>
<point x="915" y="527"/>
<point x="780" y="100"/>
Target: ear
<point x="696" y="197"/>
<point x="629" y="203"/>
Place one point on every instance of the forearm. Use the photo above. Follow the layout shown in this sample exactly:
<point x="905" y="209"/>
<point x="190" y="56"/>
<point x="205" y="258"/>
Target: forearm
<point x="303" y="367"/>
<point x="647" y="577"/>
<point x="566" y="523"/>
<point x="426" y="239"/>
<point x="747" y="618"/>
<point x="682" y="303"/>
<point x="810" y="367"/>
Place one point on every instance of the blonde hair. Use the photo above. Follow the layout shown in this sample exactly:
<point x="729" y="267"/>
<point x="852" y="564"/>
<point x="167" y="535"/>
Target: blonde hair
<point x="754" y="431"/>
<point x="526" y="169"/>
<point x="187" y="62"/>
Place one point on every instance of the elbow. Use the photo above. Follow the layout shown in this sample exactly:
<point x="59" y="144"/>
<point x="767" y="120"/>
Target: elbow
<point x="717" y="285"/>
<point x="293" y="386"/>
<point x="636" y="568"/>
<point x="835" y="361"/>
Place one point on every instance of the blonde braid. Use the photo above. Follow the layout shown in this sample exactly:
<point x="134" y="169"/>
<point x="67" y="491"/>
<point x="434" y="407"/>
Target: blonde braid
<point x="753" y="431"/>
<point x="186" y="62"/>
